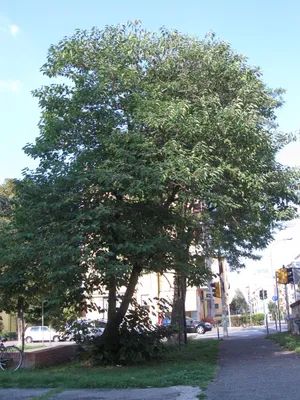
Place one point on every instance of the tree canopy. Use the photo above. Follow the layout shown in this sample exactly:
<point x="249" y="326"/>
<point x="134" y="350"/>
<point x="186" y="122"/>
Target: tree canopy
<point x="149" y="143"/>
<point x="239" y="304"/>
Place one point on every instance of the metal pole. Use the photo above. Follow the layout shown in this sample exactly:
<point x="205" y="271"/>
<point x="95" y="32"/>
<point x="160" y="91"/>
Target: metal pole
<point x="287" y="306"/>
<point x="278" y="302"/>
<point x="266" y="315"/>
<point x="279" y="317"/>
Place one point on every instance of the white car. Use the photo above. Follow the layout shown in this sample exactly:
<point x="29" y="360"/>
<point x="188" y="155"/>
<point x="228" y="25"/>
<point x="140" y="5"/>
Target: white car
<point x="41" y="333"/>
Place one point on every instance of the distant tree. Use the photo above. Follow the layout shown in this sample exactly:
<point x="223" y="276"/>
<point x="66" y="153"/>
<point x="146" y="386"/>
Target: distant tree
<point x="272" y="309"/>
<point x="239" y="304"/>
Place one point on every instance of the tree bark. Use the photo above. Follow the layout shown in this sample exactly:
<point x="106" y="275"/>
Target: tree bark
<point x="178" y="310"/>
<point x="20" y="311"/>
<point x="115" y="317"/>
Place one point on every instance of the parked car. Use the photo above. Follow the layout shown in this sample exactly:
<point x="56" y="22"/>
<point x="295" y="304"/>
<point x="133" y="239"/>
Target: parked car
<point x="40" y="333"/>
<point x="84" y="329"/>
<point x="192" y="326"/>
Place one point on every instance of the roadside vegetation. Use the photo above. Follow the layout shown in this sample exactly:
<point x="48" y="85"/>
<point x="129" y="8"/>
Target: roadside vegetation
<point x="287" y="340"/>
<point x="193" y="364"/>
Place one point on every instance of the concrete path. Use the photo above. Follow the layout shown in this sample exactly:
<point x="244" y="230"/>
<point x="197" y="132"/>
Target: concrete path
<point x="171" y="393"/>
<point x="253" y="369"/>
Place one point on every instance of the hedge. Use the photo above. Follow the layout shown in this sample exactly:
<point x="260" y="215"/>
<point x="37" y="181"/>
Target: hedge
<point x="240" y="320"/>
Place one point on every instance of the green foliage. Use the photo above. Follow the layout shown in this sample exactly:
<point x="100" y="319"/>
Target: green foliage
<point x="258" y="319"/>
<point x="272" y="309"/>
<point x="239" y="304"/>
<point x="138" y="339"/>
<point x="194" y="365"/>
<point x="287" y="340"/>
<point x="155" y="143"/>
<point x="240" y="320"/>
<point x="6" y="196"/>
<point x="10" y="335"/>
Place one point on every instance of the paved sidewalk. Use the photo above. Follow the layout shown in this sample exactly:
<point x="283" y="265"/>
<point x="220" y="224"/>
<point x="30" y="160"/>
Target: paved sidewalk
<point x="254" y="369"/>
<point x="171" y="393"/>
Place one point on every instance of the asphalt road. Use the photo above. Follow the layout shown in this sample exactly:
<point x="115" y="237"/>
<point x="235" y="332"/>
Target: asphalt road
<point x="239" y="332"/>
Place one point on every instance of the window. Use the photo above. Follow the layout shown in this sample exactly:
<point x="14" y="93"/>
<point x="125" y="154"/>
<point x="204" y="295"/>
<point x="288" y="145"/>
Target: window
<point x="216" y="306"/>
<point x="34" y="329"/>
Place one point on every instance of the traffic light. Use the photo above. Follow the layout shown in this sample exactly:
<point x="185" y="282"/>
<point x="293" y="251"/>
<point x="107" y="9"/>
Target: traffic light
<point x="290" y="276"/>
<point x="263" y="294"/>
<point x="216" y="289"/>
<point x="282" y="276"/>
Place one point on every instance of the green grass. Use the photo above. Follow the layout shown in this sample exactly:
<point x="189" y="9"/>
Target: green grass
<point x="287" y="340"/>
<point x="34" y="347"/>
<point x="194" y="365"/>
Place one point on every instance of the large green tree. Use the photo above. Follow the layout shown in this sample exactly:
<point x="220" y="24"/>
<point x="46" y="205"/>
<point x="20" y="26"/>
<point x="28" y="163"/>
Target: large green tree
<point x="239" y="304"/>
<point x="150" y="144"/>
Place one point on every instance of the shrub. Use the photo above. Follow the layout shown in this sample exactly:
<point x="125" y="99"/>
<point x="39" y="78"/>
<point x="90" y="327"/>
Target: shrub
<point x="10" y="335"/>
<point x="258" y="319"/>
<point x="240" y="320"/>
<point x="137" y="339"/>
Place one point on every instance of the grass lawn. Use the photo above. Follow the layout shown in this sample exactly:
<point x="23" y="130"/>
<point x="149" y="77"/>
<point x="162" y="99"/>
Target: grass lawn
<point x="287" y="340"/>
<point x="194" y="364"/>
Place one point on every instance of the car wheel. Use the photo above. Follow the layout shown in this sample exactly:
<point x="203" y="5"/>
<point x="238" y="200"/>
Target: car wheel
<point x="56" y="339"/>
<point x="200" y="329"/>
<point x="28" y="339"/>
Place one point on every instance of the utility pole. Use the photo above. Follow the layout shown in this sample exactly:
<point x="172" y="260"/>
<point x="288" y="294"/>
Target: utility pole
<point x="223" y="298"/>
<point x="287" y="304"/>
<point x="278" y="301"/>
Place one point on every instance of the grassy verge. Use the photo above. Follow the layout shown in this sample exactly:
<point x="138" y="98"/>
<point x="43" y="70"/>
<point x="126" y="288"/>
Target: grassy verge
<point x="287" y="340"/>
<point x="34" y="347"/>
<point x="194" y="364"/>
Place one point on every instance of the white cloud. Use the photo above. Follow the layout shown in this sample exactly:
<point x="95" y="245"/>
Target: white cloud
<point x="13" y="86"/>
<point x="14" y="29"/>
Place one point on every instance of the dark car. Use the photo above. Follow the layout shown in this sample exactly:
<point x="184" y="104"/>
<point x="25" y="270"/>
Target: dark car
<point x="192" y="326"/>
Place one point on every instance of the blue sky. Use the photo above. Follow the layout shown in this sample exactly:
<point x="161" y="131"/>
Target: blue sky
<point x="268" y="32"/>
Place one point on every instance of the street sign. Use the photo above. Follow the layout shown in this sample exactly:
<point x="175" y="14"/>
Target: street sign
<point x="274" y="298"/>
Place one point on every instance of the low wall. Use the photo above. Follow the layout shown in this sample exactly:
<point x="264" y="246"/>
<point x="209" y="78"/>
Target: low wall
<point x="294" y="321"/>
<point x="50" y="356"/>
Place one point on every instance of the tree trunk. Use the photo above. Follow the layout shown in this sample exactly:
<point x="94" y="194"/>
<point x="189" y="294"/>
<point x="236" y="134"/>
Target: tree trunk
<point x="178" y="310"/>
<point x="223" y="296"/>
<point x="21" y="329"/>
<point x="110" y="336"/>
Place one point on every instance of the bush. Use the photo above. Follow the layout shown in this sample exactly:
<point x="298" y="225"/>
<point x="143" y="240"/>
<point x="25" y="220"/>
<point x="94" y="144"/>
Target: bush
<point x="240" y="320"/>
<point x="258" y="319"/>
<point x="10" y="335"/>
<point x="137" y="340"/>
